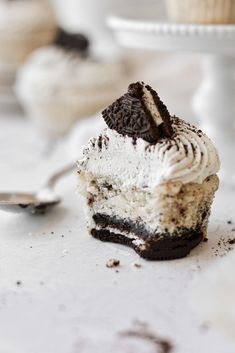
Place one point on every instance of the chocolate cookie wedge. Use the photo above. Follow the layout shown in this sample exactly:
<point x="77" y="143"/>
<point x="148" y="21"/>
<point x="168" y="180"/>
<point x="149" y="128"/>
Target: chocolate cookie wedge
<point x="139" y="113"/>
<point x="149" y="178"/>
<point x="74" y="42"/>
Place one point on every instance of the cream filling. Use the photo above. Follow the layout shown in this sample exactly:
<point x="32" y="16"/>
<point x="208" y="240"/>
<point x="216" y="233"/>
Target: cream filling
<point x="135" y="239"/>
<point x="151" y="106"/>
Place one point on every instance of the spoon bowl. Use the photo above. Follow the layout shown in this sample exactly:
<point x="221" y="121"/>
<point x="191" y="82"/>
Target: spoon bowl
<point x="26" y="202"/>
<point x="38" y="202"/>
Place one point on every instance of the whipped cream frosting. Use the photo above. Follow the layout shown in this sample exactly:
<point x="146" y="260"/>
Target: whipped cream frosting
<point x="54" y="71"/>
<point x="24" y="15"/>
<point x="189" y="157"/>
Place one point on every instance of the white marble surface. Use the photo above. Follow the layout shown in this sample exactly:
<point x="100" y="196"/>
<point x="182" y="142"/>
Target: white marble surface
<point x="68" y="301"/>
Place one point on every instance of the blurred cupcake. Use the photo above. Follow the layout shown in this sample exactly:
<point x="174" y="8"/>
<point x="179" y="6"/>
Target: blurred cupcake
<point x="202" y="11"/>
<point x="62" y="82"/>
<point x="24" y="26"/>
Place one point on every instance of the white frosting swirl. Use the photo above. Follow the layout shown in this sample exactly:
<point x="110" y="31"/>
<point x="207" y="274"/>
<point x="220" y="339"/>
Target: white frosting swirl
<point x="190" y="157"/>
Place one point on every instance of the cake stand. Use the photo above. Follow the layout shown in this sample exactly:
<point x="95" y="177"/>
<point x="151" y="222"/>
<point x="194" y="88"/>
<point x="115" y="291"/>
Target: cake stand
<point x="214" y="101"/>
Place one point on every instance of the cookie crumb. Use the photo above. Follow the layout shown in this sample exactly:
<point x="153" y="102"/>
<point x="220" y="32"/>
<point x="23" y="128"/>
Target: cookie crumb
<point x="111" y="263"/>
<point x="204" y="326"/>
<point x="136" y="265"/>
<point x="205" y="240"/>
<point x="65" y="252"/>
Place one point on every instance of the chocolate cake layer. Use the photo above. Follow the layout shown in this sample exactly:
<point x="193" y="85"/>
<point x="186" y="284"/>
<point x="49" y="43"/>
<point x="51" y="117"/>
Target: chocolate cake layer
<point x="166" y="248"/>
<point x="151" y="246"/>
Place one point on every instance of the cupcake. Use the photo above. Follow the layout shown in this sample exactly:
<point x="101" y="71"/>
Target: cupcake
<point x="202" y="11"/>
<point x="63" y="82"/>
<point x="149" y="179"/>
<point x="24" y="26"/>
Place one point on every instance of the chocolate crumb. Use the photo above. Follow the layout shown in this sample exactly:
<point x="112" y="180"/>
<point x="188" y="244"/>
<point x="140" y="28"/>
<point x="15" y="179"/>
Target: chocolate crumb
<point x="111" y="263"/>
<point x="224" y="246"/>
<point x="230" y="222"/>
<point x="18" y="283"/>
<point x="52" y="232"/>
<point x="186" y="149"/>
<point x="205" y="326"/>
<point x="205" y="240"/>
<point x="74" y="42"/>
<point x="100" y="142"/>
<point x="136" y="265"/>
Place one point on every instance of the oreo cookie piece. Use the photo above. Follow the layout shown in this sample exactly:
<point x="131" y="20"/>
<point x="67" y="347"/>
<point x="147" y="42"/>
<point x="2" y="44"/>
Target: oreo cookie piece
<point x="139" y="114"/>
<point x="71" y="41"/>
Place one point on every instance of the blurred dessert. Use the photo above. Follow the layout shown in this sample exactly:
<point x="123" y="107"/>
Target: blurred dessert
<point x="202" y="11"/>
<point x="24" y="26"/>
<point x="149" y="178"/>
<point x="64" y="82"/>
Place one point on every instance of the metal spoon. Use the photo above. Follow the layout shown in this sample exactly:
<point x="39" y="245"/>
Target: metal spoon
<point x="38" y="202"/>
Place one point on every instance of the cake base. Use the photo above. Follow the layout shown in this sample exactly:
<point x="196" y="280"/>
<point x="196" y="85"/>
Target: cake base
<point x="149" y="246"/>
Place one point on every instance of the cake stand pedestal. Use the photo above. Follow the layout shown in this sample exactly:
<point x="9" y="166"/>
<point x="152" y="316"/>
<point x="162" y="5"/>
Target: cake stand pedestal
<point x="214" y="101"/>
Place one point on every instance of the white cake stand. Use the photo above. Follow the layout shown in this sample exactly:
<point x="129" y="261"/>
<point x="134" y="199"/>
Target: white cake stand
<point x="214" y="102"/>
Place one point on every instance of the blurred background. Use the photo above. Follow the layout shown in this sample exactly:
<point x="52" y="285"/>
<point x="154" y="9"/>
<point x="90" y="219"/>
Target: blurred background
<point x="60" y="65"/>
<point x="62" y="62"/>
<point x="62" y="81"/>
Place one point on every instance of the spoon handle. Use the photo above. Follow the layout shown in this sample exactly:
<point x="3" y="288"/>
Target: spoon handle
<point x="59" y="174"/>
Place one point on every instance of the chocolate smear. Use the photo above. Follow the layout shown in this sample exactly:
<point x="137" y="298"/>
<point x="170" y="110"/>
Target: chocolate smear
<point x="139" y="113"/>
<point x="71" y="41"/>
<point x="143" y="332"/>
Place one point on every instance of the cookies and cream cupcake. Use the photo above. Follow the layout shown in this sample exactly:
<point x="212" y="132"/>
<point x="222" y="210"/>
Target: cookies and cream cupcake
<point x="24" y="26"/>
<point x="202" y="11"/>
<point x="149" y="178"/>
<point x="63" y="82"/>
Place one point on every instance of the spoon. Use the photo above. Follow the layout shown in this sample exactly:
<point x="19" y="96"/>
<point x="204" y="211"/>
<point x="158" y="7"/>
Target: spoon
<point x="35" y="202"/>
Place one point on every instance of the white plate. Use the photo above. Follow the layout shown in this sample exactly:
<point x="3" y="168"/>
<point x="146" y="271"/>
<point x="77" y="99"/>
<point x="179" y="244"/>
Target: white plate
<point x="166" y="36"/>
